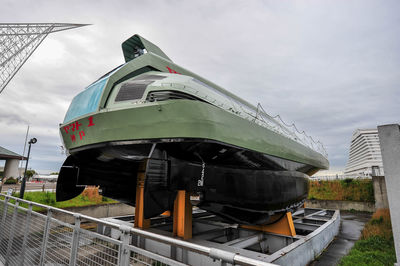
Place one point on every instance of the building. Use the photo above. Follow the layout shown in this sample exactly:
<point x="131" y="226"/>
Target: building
<point x="12" y="161"/>
<point x="365" y="157"/>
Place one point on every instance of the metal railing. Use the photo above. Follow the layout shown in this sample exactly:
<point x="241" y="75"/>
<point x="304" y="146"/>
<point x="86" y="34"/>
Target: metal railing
<point x="262" y="118"/>
<point x="28" y="237"/>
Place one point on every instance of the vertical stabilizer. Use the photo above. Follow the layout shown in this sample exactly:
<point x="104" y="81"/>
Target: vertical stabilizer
<point x="136" y="46"/>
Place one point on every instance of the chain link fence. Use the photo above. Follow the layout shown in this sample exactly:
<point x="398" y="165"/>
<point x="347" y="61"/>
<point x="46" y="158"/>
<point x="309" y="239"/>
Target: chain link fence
<point x="28" y="237"/>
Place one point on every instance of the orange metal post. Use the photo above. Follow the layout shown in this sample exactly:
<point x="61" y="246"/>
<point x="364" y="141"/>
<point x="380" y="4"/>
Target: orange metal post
<point x="182" y="215"/>
<point x="284" y="226"/>
<point x="140" y="222"/>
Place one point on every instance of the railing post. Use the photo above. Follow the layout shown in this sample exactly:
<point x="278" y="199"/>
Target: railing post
<point x="124" y="254"/>
<point x="3" y="218"/>
<point x="11" y="238"/>
<point x="75" y="240"/>
<point x="26" y="234"/>
<point x="45" y="237"/>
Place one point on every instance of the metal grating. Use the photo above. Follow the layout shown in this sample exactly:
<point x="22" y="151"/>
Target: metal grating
<point x="59" y="243"/>
<point x="132" y="90"/>
<point x="95" y="251"/>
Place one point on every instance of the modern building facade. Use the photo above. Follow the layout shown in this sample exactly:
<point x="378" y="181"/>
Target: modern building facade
<point x="12" y="160"/>
<point x="365" y="157"/>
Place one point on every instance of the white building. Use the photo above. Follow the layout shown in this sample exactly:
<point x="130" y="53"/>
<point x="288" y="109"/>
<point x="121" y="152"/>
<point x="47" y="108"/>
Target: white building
<point x="365" y="157"/>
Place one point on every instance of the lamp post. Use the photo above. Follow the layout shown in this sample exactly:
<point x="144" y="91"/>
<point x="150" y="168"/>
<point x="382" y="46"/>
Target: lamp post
<point x="21" y="193"/>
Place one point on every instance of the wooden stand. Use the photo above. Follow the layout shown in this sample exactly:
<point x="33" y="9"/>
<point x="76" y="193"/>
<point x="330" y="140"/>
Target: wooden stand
<point x="182" y="215"/>
<point x="140" y="222"/>
<point x="284" y="226"/>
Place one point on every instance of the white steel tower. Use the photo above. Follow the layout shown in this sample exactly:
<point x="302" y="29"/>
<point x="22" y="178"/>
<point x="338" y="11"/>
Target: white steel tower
<point x="19" y="40"/>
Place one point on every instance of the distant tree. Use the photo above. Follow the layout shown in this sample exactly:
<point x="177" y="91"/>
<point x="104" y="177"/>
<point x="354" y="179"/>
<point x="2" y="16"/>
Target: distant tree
<point x="30" y="173"/>
<point x="54" y="173"/>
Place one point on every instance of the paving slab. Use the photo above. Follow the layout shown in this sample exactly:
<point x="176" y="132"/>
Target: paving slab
<point x="351" y="225"/>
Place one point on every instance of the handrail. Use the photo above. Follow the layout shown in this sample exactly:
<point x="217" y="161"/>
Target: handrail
<point x="215" y="253"/>
<point x="281" y="128"/>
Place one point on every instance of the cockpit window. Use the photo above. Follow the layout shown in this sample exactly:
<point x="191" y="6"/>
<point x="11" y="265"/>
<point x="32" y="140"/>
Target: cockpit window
<point x="87" y="101"/>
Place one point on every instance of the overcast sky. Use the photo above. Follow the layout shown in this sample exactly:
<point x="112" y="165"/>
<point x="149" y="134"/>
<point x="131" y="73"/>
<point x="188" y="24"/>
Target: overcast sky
<point x="329" y="66"/>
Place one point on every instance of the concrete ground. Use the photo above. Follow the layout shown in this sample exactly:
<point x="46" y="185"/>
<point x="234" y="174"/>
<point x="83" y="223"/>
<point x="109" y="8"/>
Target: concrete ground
<point x="351" y="225"/>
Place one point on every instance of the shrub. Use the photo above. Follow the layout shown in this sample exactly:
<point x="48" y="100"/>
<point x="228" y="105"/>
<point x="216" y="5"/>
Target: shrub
<point x="372" y="251"/>
<point x="91" y="193"/>
<point x="379" y="225"/>
<point x="11" y="180"/>
<point x="376" y="246"/>
<point x="347" y="189"/>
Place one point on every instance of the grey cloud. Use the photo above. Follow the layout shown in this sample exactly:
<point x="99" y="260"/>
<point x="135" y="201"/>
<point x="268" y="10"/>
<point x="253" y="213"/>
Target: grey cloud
<point x="329" y="66"/>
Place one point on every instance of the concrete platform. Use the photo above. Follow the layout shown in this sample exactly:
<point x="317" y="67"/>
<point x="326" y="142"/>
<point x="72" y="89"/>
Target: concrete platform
<point x="315" y="229"/>
<point x="350" y="231"/>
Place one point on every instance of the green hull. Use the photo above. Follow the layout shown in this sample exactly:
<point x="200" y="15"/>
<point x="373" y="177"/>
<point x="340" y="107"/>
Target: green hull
<point x="187" y="119"/>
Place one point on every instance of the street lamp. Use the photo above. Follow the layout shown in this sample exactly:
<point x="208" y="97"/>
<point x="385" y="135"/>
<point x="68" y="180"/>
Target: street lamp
<point x="22" y="191"/>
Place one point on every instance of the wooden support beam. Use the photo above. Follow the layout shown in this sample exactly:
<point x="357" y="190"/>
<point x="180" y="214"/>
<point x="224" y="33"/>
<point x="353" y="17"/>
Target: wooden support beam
<point x="140" y="222"/>
<point x="284" y="226"/>
<point x="182" y="215"/>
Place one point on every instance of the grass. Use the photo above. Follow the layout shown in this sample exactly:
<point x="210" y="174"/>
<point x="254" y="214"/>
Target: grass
<point x="376" y="246"/>
<point x="90" y="196"/>
<point x="347" y="190"/>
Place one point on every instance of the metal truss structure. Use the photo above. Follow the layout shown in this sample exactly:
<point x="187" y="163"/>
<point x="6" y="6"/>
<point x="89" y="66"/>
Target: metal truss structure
<point x="19" y="40"/>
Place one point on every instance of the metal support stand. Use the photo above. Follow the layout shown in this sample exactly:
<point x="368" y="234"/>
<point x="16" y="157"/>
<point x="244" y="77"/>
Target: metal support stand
<point x="182" y="218"/>
<point x="140" y="222"/>
<point x="284" y="226"/>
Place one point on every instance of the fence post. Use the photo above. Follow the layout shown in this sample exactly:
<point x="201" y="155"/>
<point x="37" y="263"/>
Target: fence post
<point x="3" y="219"/>
<point x="45" y="237"/>
<point x="26" y="233"/>
<point x="75" y="240"/>
<point x="11" y="238"/>
<point x="124" y="253"/>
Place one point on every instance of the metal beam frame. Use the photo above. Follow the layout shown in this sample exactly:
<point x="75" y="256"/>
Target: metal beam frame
<point x="18" y="41"/>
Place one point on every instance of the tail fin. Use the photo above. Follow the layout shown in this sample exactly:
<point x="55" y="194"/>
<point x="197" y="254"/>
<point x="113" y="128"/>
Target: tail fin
<point x="135" y="46"/>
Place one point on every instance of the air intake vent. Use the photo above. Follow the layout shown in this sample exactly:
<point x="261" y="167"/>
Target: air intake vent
<point x="132" y="90"/>
<point x="169" y="95"/>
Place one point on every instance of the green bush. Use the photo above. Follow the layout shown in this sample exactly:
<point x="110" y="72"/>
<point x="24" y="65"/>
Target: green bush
<point x="347" y="189"/>
<point x="11" y="180"/>
<point x="373" y="251"/>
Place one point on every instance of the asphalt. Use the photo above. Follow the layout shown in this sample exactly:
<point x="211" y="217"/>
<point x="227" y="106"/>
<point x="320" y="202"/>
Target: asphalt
<point x="30" y="186"/>
<point x="351" y="225"/>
